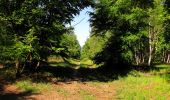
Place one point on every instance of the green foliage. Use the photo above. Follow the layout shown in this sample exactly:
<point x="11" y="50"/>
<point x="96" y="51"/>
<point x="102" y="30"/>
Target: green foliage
<point x="71" y="45"/>
<point x="123" y="19"/>
<point x="131" y="24"/>
<point x="93" y="45"/>
<point x="31" y="29"/>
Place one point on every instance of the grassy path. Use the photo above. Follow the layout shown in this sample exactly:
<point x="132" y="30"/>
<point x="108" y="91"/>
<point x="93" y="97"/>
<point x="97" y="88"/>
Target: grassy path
<point x="60" y="91"/>
<point x="150" y="85"/>
<point x="69" y="90"/>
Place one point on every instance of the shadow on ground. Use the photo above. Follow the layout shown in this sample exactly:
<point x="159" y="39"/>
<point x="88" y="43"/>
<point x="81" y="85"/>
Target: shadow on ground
<point x="55" y="73"/>
<point x="16" y="96"/>
<point x="86" y="74"/>
<point x="68" y="74"/>
<point x="10" y="94"/>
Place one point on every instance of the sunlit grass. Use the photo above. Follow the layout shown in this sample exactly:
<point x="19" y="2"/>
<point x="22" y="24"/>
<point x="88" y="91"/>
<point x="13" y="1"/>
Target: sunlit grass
<point x="85" y="95"/>
<point x="145" y="86"/>
<point x="63" y="92"/>
<point x="55" y="59"/>
<point x="60" y="62"/>
<point x="86" y="63"/>
<point x="27" y="85"/>
<point x="74" y="61"/>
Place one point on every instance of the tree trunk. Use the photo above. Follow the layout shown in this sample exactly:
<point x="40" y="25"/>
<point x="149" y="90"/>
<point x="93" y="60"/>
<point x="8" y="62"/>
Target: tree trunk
<point x="168" y="59"/>
<point x="150" y="56"/>
<point x="142" y="58"/>
<point x="136" y="58"/>
<point x="152" y="40"/>
<point x="17" y="67"/>
<point x="150" y="45"/>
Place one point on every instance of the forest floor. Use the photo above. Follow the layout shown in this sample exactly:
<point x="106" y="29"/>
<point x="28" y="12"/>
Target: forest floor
<point x="88" y="84"/>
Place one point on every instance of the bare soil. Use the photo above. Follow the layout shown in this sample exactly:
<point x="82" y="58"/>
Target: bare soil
<point x="61" y="91"/>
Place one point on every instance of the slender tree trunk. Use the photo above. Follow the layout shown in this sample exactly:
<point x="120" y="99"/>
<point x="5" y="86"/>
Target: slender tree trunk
<point x="150" y="45"/>
<point x="136" y="58"/>
<point x="143" y="58"/>
<point x="163" y="56"/>
<point x="150" y="57"/>
<point x="168" y="59"/>
<point x="17" y="67"/>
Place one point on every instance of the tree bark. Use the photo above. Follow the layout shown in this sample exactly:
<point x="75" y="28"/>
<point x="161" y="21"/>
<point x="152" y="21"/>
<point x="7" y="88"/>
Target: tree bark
<point x="168" y="59"/>
<point x="17" y="67"/>
<point x="150" y="45"/>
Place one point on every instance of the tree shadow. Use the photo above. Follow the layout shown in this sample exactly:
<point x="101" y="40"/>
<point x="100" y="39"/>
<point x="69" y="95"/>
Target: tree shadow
<point x="68" y="74"/>
<point x="16" y="96"/>
<point x="12" y="94"/>
<point x="83" y="73"/>
<point x="154" y="67"/>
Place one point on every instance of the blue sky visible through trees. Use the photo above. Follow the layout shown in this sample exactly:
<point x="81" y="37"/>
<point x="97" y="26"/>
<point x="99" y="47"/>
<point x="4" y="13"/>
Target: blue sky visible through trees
<point x="82" y="26"/>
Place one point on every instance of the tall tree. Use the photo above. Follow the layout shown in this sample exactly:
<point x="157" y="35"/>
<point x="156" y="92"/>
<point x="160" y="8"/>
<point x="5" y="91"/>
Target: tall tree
<point x="156" y="19"/>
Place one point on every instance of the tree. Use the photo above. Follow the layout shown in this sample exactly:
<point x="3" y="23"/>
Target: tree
<point x="164" y="49"/>
<point x="155" y="27"/>
<point x="36" y="25"/>
<point x="124" y="19"/>
<point x="140" y="31"/>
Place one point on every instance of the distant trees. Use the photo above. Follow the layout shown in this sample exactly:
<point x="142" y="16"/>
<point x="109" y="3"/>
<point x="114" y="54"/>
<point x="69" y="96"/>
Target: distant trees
<point x="70" y="45"/>
<point x="93" y="45"/>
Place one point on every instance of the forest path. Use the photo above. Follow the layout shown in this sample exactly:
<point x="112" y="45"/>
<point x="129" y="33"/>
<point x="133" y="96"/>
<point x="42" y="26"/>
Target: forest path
<point x="71" y="90"/>
<point x="61" y="91"/>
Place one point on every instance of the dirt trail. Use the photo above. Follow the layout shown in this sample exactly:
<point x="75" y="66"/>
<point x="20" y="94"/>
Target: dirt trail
<point x="63" y="91"/>
<point x="73" y="90"/>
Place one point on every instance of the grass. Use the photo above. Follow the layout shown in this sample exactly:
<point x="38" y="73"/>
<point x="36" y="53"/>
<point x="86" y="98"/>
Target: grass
<point x="86" y="63"/>
<point x="74" y="61"/>
<point x="63" y="92"/>
<point x="27" y="85"/>
<point x="151" y="85"/>
<point x="85" y="95"/>
<point x="61" y="64"/>
<point x="58" y="61"/>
